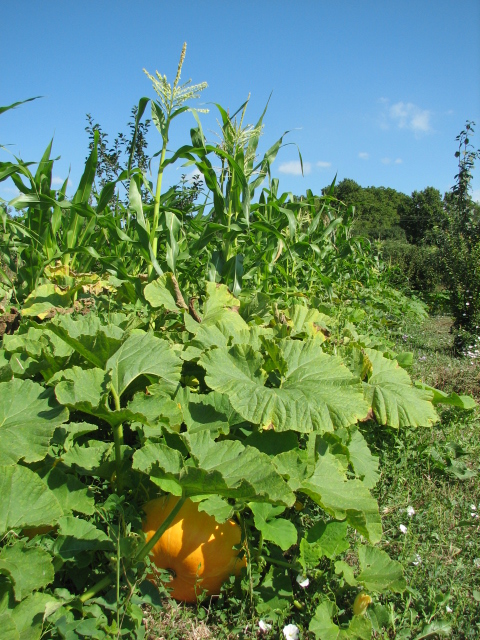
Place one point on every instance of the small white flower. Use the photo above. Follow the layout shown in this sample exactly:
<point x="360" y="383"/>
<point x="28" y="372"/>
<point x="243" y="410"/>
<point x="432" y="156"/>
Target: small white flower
<point x="264" y="626"/>
<point x="303" y="581"/>
<point x="448" y="610"/>
<point x="476" y="562"/>
<point x="403" y="528"/>
<point x="474" y="515"/>
<point x="291" y="632"/>
<point x="410" y="512"/>
<point x="418" y="560"/>
<point x="473" y="507"/>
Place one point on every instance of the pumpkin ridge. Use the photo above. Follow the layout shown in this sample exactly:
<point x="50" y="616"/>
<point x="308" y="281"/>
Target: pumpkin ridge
<point x="195" y="547"/>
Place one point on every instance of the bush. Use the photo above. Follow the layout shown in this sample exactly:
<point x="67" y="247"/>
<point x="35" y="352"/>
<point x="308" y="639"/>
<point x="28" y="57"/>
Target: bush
<point x="415" y="266"/>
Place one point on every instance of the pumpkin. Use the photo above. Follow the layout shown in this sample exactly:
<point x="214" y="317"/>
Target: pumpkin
<point x="196" y="550"/>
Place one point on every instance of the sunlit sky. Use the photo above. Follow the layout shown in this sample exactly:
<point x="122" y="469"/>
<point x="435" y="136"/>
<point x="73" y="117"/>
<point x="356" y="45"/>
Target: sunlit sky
<point x="375" y="91"/>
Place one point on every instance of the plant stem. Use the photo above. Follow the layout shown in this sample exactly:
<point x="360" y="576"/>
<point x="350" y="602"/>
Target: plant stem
<point x="156" y="208"/>
<point x="118" y="439"/>
<point x="118" y="577"/>
<point x="141" y="555"/>
<point x="281" y="563"/>
<point x="102" y="584"/>
<point x="260" y="546"/>
<point x="145" y="550"/>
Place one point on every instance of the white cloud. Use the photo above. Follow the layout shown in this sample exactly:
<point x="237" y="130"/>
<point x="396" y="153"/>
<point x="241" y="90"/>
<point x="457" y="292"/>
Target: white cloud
<point x="294" y="168"/>
<point x="323" y="165"/>
<point x="363" y="155"/>
<point x="398" y="161"/>
<point x="57" y="181"/>
<point x="407" y="115"/>
<point x="385" y="161"/>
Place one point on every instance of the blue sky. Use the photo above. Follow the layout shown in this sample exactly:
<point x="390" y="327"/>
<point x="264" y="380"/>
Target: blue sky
<point x="375" y="91"/>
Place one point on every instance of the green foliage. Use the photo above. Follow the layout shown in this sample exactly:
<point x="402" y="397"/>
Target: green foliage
<point x="413" y="266"/>
<point x="420" y="214"/>
<point x="257" y="396"/>
<point x="378" y="210"/>
<point x="113" y="160"/>
<point x="459" y="240"/>
<point x="126" y="387"/>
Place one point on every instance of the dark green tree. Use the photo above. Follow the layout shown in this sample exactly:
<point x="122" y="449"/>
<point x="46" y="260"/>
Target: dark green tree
<point x="377" y="209"/>
<point x="420" y="214"/>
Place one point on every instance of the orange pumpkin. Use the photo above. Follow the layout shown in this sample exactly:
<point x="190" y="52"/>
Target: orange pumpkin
<point x="196" y="550"/>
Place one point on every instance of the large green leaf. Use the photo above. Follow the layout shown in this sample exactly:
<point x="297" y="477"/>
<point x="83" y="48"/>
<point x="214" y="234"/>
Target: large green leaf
<point x="220" y="311"/>
<point x="378" y="572"/>
<point x="93" y="340"/>
<point x="275" y="594"/>
<point x="24" y="621"/>
<point x="71" y="493"/>
<point x="161" y="293"/>
<point x="44" y="298"/>
<point x="29" y="415"/>
<point x="36" y="351"/>
<point x="87" y="390"/>
<point x="157" y="409"/>
<point x="317" y="392"/>
<point x="87" y="459"/>
<point x="27" y="499"/>
<point x="8" y="626"/>
<point x="211" y="411"/>
<point x="225" y="468"/>
<point x="342" y="498"/>
<point x="278" y="530"/>
<point x="322" y="625"/>
<point x="81" y="389"/>
<point x="329" y="538"/>
<point x="363" y="462"/>
<point x="394" y="400"/>
<point x="29" y="569"/>
<point x="309" y="322"/>
<point x="240" y="467"/>
<point x="30" y="342"/>
<point x="76" y="536"/>
<point x="144" y="354"/>
<point x="440" y="397"/>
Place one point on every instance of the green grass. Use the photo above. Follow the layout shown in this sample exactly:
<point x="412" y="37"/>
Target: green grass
<point x="441" y="547"/>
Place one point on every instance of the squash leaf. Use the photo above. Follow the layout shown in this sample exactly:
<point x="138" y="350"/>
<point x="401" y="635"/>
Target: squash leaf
<point x="29" y="415"/>
<point x="28" y="501"/>
<point x="394" y="399"/>
<point x="14" y="560"/>
<point x="317" y="393"/>
<point x="342" y="498"/>
<point x="378" y="572"/>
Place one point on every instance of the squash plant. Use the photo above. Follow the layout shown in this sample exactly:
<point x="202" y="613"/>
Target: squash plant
<point x="244" y="411"/>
